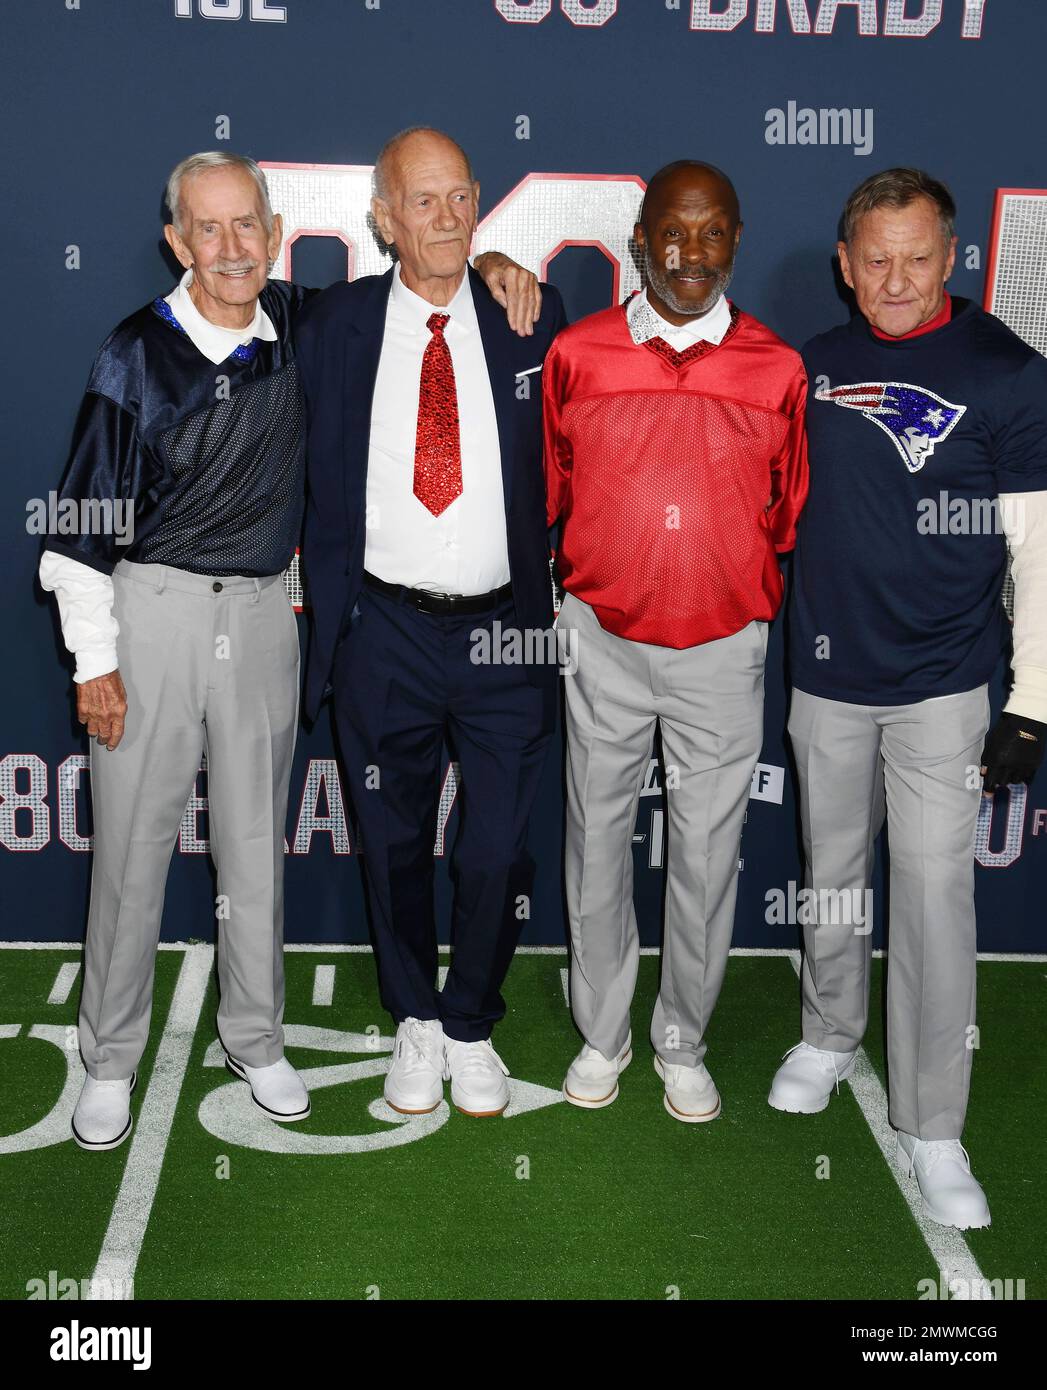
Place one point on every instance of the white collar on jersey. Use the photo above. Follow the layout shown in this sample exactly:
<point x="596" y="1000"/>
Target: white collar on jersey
<point x="645" y="322"/>
<point x="214" y="341"/>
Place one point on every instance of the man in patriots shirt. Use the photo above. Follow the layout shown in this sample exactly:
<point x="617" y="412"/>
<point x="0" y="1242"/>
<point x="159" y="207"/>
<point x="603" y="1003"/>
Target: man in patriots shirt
<point x="185" y="640"/>
<point x="896" y="628"/>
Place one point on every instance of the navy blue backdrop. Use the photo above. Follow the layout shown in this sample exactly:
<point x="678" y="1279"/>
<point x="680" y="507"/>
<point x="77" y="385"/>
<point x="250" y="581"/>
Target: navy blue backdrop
<point x="103" y="97"/>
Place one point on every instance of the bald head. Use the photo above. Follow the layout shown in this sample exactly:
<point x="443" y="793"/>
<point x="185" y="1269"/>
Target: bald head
<point x="682" y="176"/>
<point x="419" y="142"/>
<point x="688" y="233"/>
<point x="425" y="205"/>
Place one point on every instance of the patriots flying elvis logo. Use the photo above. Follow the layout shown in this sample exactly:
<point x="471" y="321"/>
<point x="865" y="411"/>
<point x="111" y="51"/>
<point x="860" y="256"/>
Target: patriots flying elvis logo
<point x="916" y="420"/>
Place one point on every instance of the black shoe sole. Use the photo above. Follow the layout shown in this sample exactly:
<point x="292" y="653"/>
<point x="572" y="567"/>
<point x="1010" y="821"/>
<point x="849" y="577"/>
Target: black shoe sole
<point x="107" y="1143"/>
<point x="240" y="1075"/>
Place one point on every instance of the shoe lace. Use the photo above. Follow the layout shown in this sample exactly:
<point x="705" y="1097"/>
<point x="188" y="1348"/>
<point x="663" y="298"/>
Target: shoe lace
<point x="417" y="1044"/>
<point x="935" y="1151"/>
<point x="472" y="1058"/>
<point x="824" y="1059"/>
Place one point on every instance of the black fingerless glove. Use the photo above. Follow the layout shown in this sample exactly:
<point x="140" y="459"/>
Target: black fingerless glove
<point x="1013" y="751"/>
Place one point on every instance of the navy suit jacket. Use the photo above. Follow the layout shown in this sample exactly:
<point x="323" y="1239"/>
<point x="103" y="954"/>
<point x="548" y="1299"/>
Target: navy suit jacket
<point x="339" y="344"/>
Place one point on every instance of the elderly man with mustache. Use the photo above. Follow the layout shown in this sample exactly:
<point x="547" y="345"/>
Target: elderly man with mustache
<point x="676" y="463"/>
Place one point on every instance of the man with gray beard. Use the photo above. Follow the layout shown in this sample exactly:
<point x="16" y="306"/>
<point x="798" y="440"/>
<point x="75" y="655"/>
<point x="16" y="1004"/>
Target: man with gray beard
<point x="676" y="463"/>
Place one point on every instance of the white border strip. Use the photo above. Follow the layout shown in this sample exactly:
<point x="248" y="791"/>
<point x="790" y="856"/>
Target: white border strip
<point x="334" y="948"/>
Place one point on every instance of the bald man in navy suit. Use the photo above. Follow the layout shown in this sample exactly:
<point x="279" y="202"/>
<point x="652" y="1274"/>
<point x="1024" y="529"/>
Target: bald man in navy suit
<point x="425" y="548"/>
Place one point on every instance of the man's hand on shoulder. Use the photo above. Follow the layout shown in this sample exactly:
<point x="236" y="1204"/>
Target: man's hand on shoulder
<point x="101" y="704"/>
<point x="517" y="290"/>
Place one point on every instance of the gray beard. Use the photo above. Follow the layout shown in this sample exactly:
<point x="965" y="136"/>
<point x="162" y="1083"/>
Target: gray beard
<point x="662" y="283"/>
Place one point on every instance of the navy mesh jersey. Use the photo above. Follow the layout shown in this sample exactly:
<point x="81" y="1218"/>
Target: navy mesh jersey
<point x="210" y="458"/>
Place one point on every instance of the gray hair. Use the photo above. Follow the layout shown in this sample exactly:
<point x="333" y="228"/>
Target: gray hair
<point x="897" y="188"/>
<point x="214" y="159"/>
<point x="380" y="176"/>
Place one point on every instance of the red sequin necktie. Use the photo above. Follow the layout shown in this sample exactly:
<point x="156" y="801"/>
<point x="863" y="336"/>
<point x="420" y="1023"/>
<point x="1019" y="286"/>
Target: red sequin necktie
<point x="437" y="446"/>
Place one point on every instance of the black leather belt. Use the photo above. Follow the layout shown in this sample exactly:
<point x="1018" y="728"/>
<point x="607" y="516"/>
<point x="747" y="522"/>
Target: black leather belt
<point x="428" y="602"/>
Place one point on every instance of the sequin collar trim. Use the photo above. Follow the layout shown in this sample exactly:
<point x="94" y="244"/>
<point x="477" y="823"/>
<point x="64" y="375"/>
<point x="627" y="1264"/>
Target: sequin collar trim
<point x="245" y="352"/>
<point x="641" y="318"/>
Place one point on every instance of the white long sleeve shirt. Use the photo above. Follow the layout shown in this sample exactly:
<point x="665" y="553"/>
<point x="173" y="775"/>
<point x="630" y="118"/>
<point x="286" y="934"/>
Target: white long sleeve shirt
<point x="1024" y="521"/>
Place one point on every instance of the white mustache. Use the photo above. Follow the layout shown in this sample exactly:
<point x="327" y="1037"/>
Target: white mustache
<point x="246" y="265"/>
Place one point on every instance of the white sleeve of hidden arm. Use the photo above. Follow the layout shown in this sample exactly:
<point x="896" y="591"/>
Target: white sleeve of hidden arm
<point x="1023" y="516"/>
<point x="85" y="609"/>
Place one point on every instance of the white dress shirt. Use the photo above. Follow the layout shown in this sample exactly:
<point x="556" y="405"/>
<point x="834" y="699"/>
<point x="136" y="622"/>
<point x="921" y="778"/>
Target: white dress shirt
<point x="645" y="322"/>
<point x="464" y="549"/>
<point x="85" y="595"/>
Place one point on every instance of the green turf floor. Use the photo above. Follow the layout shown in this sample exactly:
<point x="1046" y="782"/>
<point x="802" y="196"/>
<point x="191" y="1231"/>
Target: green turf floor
<point x="554" y="1202"/>
<point x="54" y="1201"/>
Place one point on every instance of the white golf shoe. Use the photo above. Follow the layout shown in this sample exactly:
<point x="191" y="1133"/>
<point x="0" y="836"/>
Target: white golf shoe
<point x="690" y="1093"/>
<point x="592" y="1079"/>
<point x="477" y="1076"/>
<point x="102" y="1118"/>
<point x="952" y="1195"/>
<point x="277" y="1090"/>
<point x="807" y="1078"/>
<point x="414" y="1084"/>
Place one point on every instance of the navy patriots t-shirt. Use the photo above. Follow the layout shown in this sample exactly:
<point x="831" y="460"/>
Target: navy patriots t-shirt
<point x="900" y="554"/>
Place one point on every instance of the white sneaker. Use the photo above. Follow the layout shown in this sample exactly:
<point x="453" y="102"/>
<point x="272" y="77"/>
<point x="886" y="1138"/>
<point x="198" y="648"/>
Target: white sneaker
<point x="807" y="1077"/>
<point x="477" y="1075"/>
<point x="952" y="1195"/>
<point x="690" y="1093"/>
<point x="592" y="1078"/>
<point x="102" y="1118"/>
<point x="277" y="1090"/>
<point x="414" y="1084"/>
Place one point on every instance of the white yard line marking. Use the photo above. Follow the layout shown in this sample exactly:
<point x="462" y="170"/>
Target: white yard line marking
<point x="441" y="976"/>
<point x="323" y="984"/>
<point x="64" y="981"/>
<point x="565" y="984"/>
<point x="951" y="1252"/>
<point x="134" y="1202"/>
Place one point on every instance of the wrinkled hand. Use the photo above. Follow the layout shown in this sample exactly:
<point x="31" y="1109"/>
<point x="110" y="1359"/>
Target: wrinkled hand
<point x="101" y="704"/>
<point x="1013" y="751"/>
<point x="514" y="288"/>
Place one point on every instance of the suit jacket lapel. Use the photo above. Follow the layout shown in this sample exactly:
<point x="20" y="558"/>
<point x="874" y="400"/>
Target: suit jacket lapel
<point x="490" y="317"/>
<point x="363" y="349"/>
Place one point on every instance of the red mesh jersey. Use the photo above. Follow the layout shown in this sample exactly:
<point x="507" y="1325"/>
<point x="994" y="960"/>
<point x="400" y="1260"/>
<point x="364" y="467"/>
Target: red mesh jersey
<point x="675" y="482"/>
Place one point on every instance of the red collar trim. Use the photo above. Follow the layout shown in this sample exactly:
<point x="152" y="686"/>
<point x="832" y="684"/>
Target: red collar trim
<point x="702" y="348"/>
<point x="940" y="319"/>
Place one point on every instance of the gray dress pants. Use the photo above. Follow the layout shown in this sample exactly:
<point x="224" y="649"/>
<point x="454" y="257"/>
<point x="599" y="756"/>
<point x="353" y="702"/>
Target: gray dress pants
<point x="210" y="665"/>
<point x="709" y="702"/>
<point x="922" y="760"/>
